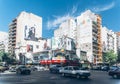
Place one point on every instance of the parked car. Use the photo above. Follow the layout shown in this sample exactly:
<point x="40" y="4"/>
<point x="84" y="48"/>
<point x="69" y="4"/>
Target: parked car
<point x="75" y="71"/>
<point x="12" y="68"/>
<point x="113" y="67"/>
<point x="39" y="68"/>
<point x="55" y="68"/>
<point x="105" y="68"/>
<point x="3" y="68"/>
<point x="22" y="69"/>
<point x="96" y="67"/>
<point x="115" y="73"/>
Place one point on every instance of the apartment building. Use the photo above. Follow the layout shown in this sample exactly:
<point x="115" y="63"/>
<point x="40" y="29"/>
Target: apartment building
<point x="24" y="32"/>
<point x="109" y="41"/>
<point x="89" y="35"/>
<point x="86" y="32"/>
<point x="3" y="42"/>
<point x="118" y="45"/>
<point x="67" y="28"/>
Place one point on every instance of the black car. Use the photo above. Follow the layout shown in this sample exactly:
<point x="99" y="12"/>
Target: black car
<point x="55" y="68"/>
<point x="22" y="69"/>
<point x="115" y="73"/>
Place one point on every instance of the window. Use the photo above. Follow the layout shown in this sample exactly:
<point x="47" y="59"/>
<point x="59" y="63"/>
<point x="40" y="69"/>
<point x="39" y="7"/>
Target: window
<point x="66" y="68"/>
<point x="70" y="68"/>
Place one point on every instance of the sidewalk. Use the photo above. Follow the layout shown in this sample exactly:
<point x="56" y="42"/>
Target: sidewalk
<point x="7" y="72"/>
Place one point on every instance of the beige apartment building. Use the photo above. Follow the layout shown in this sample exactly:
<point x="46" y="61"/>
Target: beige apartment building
<point x="24" y="32"/>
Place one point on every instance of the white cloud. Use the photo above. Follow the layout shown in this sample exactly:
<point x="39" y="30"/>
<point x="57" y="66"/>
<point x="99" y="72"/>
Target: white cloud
<point x="104" y="8"/>
<point x="52" y="24"/>
<point x="74" y="9"/>
<point x="3" y="36"/>
<point x="57" y="21"/>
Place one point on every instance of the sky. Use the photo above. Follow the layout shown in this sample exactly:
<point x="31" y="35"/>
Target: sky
<point x="54" y="12"/>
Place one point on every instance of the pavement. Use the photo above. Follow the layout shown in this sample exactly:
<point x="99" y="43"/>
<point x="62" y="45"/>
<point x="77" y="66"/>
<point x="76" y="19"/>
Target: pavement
<point x="7" y="72"/>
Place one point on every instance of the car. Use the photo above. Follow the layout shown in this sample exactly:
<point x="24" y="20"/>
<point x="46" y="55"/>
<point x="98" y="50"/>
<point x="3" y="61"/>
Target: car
<point x="22" y="69"/>
<point x="75" y="71"/>
<point x="113" y="67"/>
<point x="12" y="68"/>
<point x="55" y="68"/>
<point x="115" y="73"/>
<point x="96" y="67"/>
<point x="3" y="68"/>
<point x="105" y="68"/>
<point x="39" y="68"/>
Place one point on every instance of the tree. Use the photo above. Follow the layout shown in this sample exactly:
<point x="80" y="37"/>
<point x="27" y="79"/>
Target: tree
<point x="110" y="57"/>
<point x="118" y="55"/>
<point x="6" y="57"/>
<point x="1" y="55"/>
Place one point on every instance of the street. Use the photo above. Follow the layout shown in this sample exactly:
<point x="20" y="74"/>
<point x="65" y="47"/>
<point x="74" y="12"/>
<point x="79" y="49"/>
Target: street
<point x="44" y="77"/>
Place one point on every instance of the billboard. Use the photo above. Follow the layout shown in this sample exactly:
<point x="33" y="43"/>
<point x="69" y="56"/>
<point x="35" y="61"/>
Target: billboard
<point x="30" y="32"/>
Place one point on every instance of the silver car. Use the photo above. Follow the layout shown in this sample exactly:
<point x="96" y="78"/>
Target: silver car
<point x="75" y="71"/>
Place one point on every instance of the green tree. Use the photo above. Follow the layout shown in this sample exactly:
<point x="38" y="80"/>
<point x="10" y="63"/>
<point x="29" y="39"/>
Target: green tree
<point x="110" y="57"/>
<point x="118" y="56"/>
<point x="1" y="55"/>
<point x="7" y="57"/>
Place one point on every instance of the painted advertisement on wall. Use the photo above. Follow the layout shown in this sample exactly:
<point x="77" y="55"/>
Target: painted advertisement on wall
<point x="29" y="48"/>
<point x="30" y="32"/>
<point x="47" y="44"/>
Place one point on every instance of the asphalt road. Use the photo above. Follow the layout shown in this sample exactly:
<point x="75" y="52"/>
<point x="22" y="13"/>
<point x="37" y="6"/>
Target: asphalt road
<point x="44" y="77"/>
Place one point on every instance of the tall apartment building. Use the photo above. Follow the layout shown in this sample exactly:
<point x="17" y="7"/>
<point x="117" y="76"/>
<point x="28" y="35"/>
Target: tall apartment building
<point x="118" y="45"/>
<point x="86" y="31"/>
<point x="24" y="32"/>
<point x="89" y="35"/>
<point x="108" y="40"/>
<point x="3" y="42"/>
<point x="67" y="28"/>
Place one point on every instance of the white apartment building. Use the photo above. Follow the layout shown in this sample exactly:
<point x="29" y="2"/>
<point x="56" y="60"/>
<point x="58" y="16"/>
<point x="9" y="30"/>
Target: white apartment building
<point x="67" y="28"/>
<point x="24" y="32"/>
<point x="118" y="44"/>
<point x="89" y="36"/>
<point x="86" y="31"/>
<point x="3" y="41"/>
<point x="109" y="41"/>
<point x="118" y="40"/>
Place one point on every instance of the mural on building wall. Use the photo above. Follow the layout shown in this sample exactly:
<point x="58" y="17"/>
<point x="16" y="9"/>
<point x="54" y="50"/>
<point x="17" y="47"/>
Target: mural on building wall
<point x="29" y="32"/>
<point x="29" y="48"/>
<point x="46" y="45"/>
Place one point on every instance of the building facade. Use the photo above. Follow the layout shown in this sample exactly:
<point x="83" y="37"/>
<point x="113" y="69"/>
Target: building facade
<point x="24" y="32"/>
<point x="89" y="35"/>
<point x="118" y="45"/>
<point x="86" y="32"/>
<point x="109" y="41"/>
<point x="67" y="28"/>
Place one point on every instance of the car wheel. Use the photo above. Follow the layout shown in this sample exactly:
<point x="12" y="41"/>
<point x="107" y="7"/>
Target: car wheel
<point x="18" y="72"/>
<point x="77" y="76"/>
<point x="114" y="76"/>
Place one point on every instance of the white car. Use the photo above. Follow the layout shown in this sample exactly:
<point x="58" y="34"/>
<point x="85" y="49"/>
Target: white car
<point x="75" y="71"/>
<point x="40" y="68"/>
